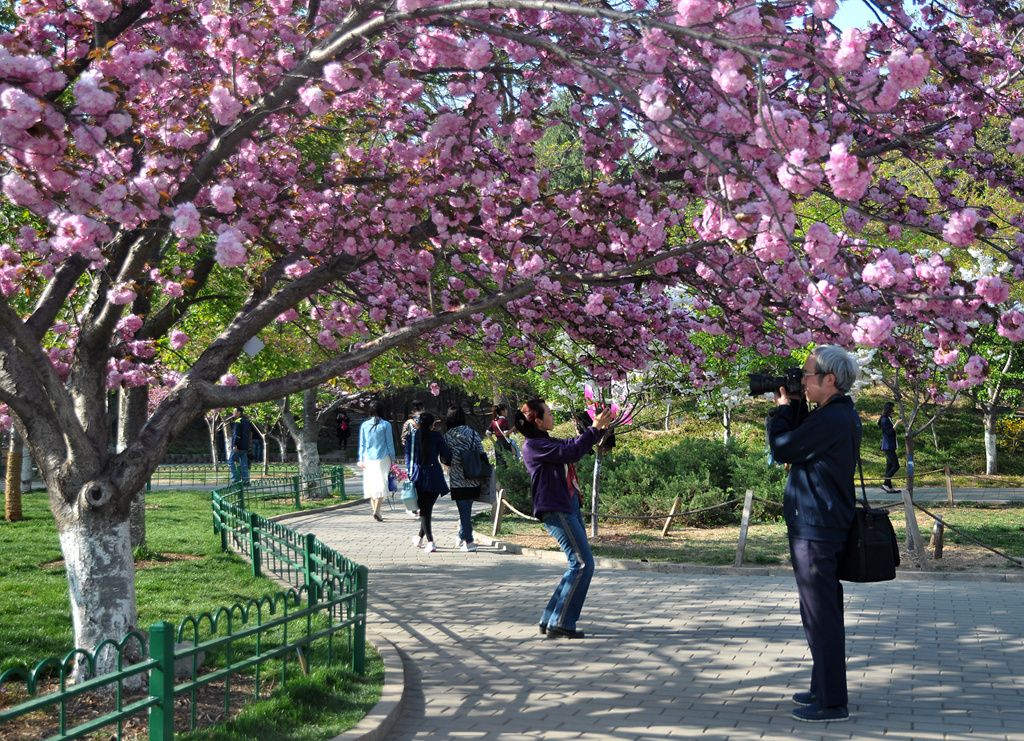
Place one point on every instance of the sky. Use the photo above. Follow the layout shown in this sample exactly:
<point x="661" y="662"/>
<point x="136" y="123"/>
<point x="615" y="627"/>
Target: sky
<point x="853" y="13"/>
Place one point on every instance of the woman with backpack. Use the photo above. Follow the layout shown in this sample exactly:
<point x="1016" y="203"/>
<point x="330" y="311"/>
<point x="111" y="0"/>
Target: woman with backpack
<point x="424" y="454"/>
<point x="463" y="442"/>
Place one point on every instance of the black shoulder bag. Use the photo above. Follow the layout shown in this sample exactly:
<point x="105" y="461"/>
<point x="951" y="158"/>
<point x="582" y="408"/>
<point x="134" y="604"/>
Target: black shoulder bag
<point x="871" y="552"/>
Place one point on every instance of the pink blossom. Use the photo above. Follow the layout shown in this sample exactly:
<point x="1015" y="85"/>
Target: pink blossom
<point x="1017" y="135"/>
<point x="959" y="230"/>
<point x="178" y="339"/>
<point x="230" y="251"/>
<point x="313" y="97"/>
<point x="223" y="198"/>
<point x="595" y="305"/>
<point x="873" y="330"/>
<point x="19" y="190"/>
<point x="1011" y="325"/>
<point x="848" y="175"/>
<point x="824" y="9"/>
<point x="186" y="222"/>
<point x="21" y="110"/>
<point x="298" y="269"/>
<point x="121" y="293"/>
<point x="728" y="73"/>
<point x="228" y="379"/>
<point x="944" y="357"/>
<point x="435" y="389"/>
<point x="289" y="316"/>
<point x="695" y="12"/>
<point x="820" y="244"/>
<point x="976" y="369"/>
<point x="850" y="54"/>
<point x="654" y="102"/>
<point x="908" y="71"/>
<point x="992" y="289"/>
<point x="224" y="106"/>
<point x="478" y="54"/>
<point x="798" y="177"/>
<point x="90" y="97"/>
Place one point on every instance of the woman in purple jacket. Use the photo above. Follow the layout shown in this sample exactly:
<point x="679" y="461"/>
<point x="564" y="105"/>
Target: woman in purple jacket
<point x="547" y="460"/>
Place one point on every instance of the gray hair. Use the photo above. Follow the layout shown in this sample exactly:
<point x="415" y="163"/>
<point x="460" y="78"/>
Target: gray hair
<point x="835" y="360"/>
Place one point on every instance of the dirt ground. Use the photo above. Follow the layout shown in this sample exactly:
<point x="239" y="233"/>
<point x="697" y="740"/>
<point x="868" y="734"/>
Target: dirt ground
<point x="648" y="544"/>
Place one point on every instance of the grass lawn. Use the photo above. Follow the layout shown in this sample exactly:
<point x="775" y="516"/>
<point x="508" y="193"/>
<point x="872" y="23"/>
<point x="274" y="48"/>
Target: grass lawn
<point x="182" y="572"/>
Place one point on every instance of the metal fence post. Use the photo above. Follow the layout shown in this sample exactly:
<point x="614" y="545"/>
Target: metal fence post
<point x="161" y="681"/>
<point x="295" y="487"/>
<point x="312" y="590"/>
<point x="359" y="635"/>
<point x="340" y="474"/>
<point x="254" y="543"/>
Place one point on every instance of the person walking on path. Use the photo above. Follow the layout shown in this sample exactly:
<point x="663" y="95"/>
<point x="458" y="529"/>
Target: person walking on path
<point x="241" y="439"/>
<point x="376" y="454"/>
<point x="343" y="431"/>
<point x="547" y="460"/>
<point x="892" y="462"/>
<point x="415" y="410"/>
<point x="463" y="441"/>
<point x="822" y="450"/>
<point x="426" y="450"/>
<point x="498" y="431"/>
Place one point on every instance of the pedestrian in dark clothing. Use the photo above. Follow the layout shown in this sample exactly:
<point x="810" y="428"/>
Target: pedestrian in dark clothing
<point x="822" y="450"/>
<point x="892" y="462"/>
<point x="463" y="442"/>
<point x="498" y="431"/>
<point x="427" y="449"/>
<point x="549" y="462"/>
<point x="343" y="431"/>
<point x="241" y="438"/>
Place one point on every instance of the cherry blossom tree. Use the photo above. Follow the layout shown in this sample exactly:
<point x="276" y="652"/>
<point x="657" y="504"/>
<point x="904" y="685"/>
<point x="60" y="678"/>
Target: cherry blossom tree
<point x="369" y="173"/>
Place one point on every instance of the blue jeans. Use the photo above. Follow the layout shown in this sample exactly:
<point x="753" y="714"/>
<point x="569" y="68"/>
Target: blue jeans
<point x="566" y="603"/>
<point x="239" y="464"/>
<point x="465" y="519"/>
<point x="821" y="612"/>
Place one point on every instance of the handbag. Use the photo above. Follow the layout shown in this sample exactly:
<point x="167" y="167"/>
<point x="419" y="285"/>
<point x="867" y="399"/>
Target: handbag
<point x="409" y="496"/>
<point x="871" y="552"/>
<point x="475" y="464"/>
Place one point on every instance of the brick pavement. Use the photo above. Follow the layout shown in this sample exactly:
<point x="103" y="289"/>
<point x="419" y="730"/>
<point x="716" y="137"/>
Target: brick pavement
<point x="678" y="655"/>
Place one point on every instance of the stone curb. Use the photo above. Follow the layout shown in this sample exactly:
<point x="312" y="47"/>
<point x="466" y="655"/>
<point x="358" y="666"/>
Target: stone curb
<point x="664" y="567"/>
<point x="377" y="724"/>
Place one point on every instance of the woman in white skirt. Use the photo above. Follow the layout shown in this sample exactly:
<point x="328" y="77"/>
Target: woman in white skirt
<point x="376" y="454"/>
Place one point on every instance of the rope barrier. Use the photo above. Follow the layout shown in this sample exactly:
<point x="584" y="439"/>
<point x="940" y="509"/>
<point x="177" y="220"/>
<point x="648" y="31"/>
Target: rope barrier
<point x="971" y="538"/>
<point x="651" y="517"/>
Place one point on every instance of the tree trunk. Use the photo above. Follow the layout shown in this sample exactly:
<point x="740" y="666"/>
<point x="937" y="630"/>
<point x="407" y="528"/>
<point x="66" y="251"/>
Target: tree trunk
<point x="26" y="469"/>
<point x="727" y="425"/>
<point x="668" y="414"/>
<point x="914" y="541"/>
<point x="991" y="468"/>
<point x="96" y="542"/>
<point x="12" y="490"/>
<point x="132" y="410"/>
<point x="211" y="427"/>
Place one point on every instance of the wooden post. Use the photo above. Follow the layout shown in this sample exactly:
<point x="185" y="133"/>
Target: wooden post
<point x="938" y="534"/>
<point x="949" y="488"/>
<point x="668" y="522"/>
<point x="499" y="512"/>
<point x="741" y="549"/>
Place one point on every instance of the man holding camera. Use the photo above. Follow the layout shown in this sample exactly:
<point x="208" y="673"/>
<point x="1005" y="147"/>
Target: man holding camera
<point x="822" y="450"/>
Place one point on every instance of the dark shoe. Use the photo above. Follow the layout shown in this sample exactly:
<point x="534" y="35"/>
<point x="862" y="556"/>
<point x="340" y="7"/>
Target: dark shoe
<point x="553" y="632"/>
<point x="543" y="628"/>
<point x="378" y="518"/>
<point x="805" y="698"/>
<point x="817" y="714"/>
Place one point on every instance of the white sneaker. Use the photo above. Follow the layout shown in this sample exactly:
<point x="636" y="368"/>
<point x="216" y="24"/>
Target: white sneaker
<point x="411" y="513"/>
<point x="459" y="542"/>
<point x="429" y="547"/>
<point x="417" y="541"/>
<point x="468" y="547"/>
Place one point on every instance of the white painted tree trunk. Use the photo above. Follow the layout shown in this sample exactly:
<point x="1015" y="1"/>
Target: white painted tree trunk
<point x="309" y="469"/>
<point x="101" y="582"/>
<point x="991" y="437"/>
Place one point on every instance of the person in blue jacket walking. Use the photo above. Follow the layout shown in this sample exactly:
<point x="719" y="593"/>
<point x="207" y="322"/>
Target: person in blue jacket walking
<point x="425" y="451"/>
<point x="376" y="454"/>
<point x="822" y="451"/>
<point x="549" y="461"/>
<point x="892" y="462"/>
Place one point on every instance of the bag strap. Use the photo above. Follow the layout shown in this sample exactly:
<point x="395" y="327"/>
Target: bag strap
<point x="412" y="452"/>
<point x="860" y="463"/>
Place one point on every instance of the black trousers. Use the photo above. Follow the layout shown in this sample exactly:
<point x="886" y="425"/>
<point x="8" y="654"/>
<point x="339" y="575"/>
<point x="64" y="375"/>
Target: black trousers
<point x="427" y="500"/>
<point x="892" y="465"/>
<point x="821" y="612"/>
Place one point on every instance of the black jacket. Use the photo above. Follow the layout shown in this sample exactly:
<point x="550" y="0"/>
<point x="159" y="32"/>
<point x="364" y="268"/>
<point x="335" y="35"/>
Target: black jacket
<point x="822" y="452"/>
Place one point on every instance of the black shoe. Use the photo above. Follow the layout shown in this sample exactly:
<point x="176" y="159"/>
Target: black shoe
<point x="553" y="632"/>
<point x="543" y="628"/>
<point x="378" y="518"/>
<point x="805" y="698"/>
<point x="817" y="714"/>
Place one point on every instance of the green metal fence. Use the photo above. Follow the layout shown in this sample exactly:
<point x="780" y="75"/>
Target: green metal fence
<point x="192" y="476"/>
<point x="328" y="596"/>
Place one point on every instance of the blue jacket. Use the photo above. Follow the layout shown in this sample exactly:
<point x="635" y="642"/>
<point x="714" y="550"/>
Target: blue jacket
<point x="545" y="459"/>
<point x="822" y="453"/>
<point x="888" y="433"/>
<point x="430" y="475"/>
<point x="375" y="440"/>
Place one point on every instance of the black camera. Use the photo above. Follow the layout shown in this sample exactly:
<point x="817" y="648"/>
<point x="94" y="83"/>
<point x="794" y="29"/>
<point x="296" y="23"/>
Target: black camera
<point x="791" y="380"/>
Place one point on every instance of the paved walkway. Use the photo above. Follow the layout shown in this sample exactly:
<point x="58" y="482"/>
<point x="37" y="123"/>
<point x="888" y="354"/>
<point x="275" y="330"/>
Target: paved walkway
<point x="680" y="655"/>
